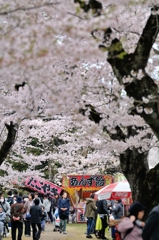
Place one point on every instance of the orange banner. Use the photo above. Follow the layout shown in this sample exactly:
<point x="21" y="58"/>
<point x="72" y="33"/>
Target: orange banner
<point x="87" y="182"/>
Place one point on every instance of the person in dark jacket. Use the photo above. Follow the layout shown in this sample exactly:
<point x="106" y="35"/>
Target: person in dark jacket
<point x="43" y="218"/>
<point x="151" y="229"/>
<point x="17" y="210"/>
<point x="36" y="214"/>
<point x="54" y="203"/>
<point x="64" y="209"/>
<point x="102" y="210"/>
<point x="117" y="210"/>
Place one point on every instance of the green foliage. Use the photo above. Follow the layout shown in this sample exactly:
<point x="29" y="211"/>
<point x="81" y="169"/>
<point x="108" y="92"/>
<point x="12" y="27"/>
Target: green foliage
<point x="3" y="173"/>
<point x="34" y="142"/>
<point x="17" y="155"/>
<point x="19" y="166"/>
<point x="34" y="151"/>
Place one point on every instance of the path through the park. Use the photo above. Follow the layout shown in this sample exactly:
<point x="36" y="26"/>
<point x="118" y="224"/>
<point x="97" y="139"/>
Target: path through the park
<point x="75" y="231"/>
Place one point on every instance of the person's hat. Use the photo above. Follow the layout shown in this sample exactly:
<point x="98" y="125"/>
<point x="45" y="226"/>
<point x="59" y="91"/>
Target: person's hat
<point x="136" y="207"/>
<point x="19" y="199"/>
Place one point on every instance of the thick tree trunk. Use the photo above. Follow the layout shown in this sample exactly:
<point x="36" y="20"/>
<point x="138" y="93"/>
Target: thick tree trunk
<point x="143" y="182"/>
<point x="9" y="142"/>
<point x="134" y="166"/>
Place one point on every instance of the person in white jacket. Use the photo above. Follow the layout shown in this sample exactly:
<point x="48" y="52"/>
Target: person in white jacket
<point x="47" y="205"/>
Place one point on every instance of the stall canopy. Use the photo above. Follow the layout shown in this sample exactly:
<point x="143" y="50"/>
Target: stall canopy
<point x="114" y="191"/>
<point x="37" y="184"/>
<point x="81" y="186"/>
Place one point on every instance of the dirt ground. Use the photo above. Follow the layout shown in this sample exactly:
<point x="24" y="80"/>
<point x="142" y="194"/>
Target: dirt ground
<point x="75" y="231"/>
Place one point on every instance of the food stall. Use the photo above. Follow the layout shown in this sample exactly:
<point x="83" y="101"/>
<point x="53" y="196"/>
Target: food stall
<point x="80" y="187"/>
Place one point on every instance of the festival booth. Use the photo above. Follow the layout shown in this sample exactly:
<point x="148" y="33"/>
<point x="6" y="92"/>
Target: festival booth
<point x="115" y="191"/>
<point x="37" y="184"/>
<point x="80" y="187"/>
<point x="119" y="177"/>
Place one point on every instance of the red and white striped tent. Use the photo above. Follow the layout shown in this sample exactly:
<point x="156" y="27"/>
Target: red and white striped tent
<point x="114" y="191"/>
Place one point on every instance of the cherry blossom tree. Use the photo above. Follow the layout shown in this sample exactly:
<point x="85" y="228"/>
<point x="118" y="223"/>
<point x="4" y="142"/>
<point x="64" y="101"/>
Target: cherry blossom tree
<point x="131" y="68"/>
<point x="84" y="61"/>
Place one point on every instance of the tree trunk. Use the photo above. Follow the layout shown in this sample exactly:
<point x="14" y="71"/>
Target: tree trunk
<point x="143" y="182"/>
<point x="9" y="142"/>
<point x="134" y="167"/>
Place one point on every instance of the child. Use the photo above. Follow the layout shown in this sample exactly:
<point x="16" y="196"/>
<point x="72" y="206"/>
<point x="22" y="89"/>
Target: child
<point x="43" y="219"/>
<point x="56" y="220"/>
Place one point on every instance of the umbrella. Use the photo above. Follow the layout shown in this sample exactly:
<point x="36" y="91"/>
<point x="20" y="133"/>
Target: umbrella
<point x="114" y="191"/>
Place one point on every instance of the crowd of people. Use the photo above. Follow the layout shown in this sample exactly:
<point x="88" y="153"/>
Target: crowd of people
<point x="131" y="227"/>
<point x="30" y="212"/>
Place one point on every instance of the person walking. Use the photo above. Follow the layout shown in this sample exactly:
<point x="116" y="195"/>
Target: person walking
<point x="36" y="214"/>
<point x="54" y="204"/>
<point x="43" y="219"/>
<point x="90" y="211"/>
<point x="131" y="227"/>
<point x="64" y="209"/>
<point x="102" y="210"/>
<point x="46" y="204"/>
<point x="17" y="210"/>
<point x="151" y="228"/>
<point x="27" y="216"/>
<point x="50" y="213"/>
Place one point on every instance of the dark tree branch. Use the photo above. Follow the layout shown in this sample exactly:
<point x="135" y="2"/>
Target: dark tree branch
<point x="10" y="140"/>
<point x="145" y="42"/>
<point x="123" y="63"/>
